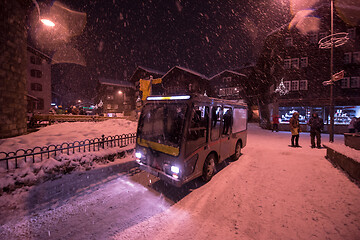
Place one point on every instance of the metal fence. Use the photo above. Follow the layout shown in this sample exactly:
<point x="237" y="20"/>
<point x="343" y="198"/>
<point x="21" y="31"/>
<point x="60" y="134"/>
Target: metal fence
<point x="95" y="144"/>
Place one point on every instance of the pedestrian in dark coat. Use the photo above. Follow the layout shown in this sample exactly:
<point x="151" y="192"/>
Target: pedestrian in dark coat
<point x="295" y="129"/>
<point x="316" y="125"/>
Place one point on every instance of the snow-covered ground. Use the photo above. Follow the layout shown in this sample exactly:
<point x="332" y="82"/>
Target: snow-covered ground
<point x="271" y="192"/>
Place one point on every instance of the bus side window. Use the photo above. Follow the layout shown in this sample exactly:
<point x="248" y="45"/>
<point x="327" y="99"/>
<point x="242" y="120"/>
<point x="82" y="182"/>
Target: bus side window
<point x="215" y="122"/>
<point x="227" y="120"/>
<point x="197" y="132"/>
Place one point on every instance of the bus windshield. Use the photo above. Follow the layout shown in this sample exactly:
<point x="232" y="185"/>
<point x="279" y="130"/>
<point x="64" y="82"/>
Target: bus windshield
<point x="162" y="123"/>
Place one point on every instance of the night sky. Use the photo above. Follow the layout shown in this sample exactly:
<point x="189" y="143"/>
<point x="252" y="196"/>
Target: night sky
<point x="206" y="36"/>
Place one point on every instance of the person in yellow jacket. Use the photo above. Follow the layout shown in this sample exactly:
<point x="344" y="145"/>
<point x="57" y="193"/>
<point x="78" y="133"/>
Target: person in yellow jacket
<point x="295" y="129"/>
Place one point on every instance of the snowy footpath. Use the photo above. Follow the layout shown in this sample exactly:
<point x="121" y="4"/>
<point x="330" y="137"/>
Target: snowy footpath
<point x="271" y="192"/>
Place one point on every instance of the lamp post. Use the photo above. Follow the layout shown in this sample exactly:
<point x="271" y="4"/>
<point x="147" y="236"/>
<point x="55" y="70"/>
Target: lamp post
<point x="122" y="99"/>
<point x="331" y="130"/>
<point x="329" y="42"/>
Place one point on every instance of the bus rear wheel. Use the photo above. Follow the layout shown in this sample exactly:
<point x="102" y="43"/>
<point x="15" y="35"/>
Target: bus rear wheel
<point x="209" y="168"/>
<point x="237" y="151"/>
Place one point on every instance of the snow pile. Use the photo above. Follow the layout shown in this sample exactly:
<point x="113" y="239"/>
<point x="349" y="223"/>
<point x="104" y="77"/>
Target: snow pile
<point x="30" y="173"/>
<point x="68" y="132"/>
<point x="345" y="150"/>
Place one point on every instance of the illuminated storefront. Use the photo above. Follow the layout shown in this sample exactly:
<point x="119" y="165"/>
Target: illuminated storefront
<point x="343" y="114"/>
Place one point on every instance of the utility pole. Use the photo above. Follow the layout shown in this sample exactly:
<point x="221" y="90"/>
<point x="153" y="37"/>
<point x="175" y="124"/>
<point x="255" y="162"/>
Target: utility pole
<point x="331" y="129"/>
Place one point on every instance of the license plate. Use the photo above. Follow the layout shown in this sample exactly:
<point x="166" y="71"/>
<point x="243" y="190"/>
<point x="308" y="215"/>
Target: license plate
<point x="152" y="172"/>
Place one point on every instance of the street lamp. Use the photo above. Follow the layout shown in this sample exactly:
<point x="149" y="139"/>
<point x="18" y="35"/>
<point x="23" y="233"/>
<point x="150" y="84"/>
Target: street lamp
<point x="47" y="22"/>
<point x="121" y="98"/>
<point x="336" y="40"/>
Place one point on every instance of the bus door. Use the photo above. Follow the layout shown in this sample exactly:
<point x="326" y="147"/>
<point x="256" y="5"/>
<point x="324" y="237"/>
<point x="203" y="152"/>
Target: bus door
<point x="226" y="130"/>
<point x="215" y="126"/>
<point x="197" y="136"/>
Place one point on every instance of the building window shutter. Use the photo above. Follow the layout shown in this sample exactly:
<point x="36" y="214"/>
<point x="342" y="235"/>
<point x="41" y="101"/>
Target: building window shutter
<point x="288" y="41"/>
<point x="303" y="85"/>
<point x="294" y="85"/>
<point x="287" y="85"/>
<point x="287" y="63"/>
<point x="355" y="82"/>
<point x="304" y="62"/>
<point x="295" y="63"/>
<point x="345" y="82"/>
<point x="347" y="58"/>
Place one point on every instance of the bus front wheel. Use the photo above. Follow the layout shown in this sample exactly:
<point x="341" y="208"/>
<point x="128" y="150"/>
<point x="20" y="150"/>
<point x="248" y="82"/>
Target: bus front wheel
<point x="237" y="151"/>
<point x="209" y="168"/>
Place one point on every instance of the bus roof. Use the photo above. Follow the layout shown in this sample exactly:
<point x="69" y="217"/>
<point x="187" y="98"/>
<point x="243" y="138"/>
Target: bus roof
<point x="196" y="97"/>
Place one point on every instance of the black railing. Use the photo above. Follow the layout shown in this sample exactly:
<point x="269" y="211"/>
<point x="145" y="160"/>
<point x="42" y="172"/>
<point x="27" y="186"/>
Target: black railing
<point x="95" y="144"/>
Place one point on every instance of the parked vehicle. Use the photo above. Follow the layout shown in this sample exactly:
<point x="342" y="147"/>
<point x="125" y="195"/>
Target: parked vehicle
<point x="180" y="138"/>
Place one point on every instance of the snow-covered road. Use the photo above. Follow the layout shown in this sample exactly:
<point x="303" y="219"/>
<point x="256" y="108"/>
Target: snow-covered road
<point x="271" y="192"/>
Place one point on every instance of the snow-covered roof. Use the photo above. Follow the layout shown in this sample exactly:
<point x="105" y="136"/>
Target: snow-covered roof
<point x="229" y="71"/>
<point x="115" y="82"/>
<point x="281" y="28"/>
<point x="151" y="70"/>
<point x="187" y="70"/>
<point x="146" y="69"/>
<point x="38" y="53"/>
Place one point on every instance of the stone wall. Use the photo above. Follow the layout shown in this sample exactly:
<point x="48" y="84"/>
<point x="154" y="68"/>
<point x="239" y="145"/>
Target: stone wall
<point x="13" y="38"/>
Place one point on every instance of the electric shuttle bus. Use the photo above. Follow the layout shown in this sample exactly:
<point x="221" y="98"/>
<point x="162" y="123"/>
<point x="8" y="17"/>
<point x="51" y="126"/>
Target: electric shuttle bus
<point x="180" y="138"/>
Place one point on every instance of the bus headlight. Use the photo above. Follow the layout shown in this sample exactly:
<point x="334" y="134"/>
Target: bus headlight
<point x="138" y="156"/>
<point x="175" y="171"/>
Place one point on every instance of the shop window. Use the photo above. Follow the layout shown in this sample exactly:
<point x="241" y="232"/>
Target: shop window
<point x="304" y="62"/>
<point x="287" y="85"/>
<point x="344" y="114"/>
<point x="313" y="38"/>
<point x="294" y="85"/>
<point x="287" y="112"/>
<point x="287" y="63"/>
<point x="295" y="63"/>
<point x="355" y="82"/>
<point x="356" y="57"/>
<point x="116" y="106"/>
<point x="345" y="82"/>
<point x="303" y="85"/>
<point x="110" y="97"/>
<point x="288" y="41"/>
<point x="108" y="106"/>
<point x="352" y="33"/>
<point x="36" y="87"/>
<point x="347" y="58"/>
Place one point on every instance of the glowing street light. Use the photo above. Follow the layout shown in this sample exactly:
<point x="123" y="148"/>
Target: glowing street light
<point x="47" y="22"/>
<point x="120" y="92"/>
